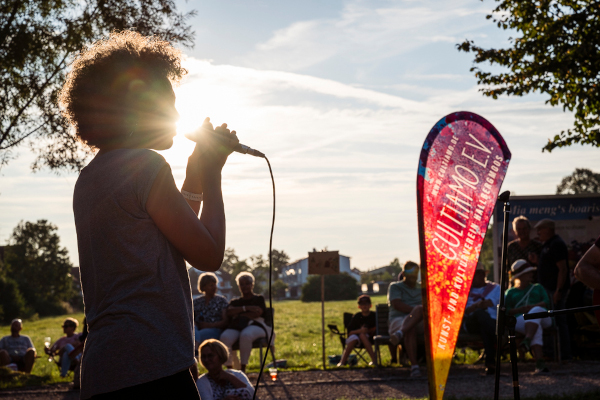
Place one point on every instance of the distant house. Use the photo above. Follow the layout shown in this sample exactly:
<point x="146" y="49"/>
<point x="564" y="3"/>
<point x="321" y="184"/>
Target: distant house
<point x="295" y="275"/>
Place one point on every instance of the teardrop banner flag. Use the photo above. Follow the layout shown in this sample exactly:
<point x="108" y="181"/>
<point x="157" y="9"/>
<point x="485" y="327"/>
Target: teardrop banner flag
<point x="462" y="165"/>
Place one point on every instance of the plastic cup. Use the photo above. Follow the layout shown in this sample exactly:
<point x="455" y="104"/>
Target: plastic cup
<point x="273" y="374"/>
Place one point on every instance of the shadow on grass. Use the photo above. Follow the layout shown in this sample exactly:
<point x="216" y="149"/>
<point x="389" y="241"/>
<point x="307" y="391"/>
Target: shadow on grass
<point x="10" y="379"/>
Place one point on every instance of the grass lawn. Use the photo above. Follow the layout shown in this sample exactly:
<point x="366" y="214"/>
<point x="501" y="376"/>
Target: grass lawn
<point x="297" y="329"/>
<point x="44" y="372"/>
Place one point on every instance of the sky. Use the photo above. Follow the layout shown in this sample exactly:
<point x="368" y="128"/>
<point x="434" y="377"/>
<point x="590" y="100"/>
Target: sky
<point x="340" y="96"/>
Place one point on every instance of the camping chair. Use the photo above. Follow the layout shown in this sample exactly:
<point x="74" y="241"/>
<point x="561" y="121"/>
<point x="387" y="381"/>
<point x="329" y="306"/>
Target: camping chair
<point x="56" y="360"/>
<point x="263" y="341"/>
<point x="382" y="336"/>
<point x="359" y="349"/>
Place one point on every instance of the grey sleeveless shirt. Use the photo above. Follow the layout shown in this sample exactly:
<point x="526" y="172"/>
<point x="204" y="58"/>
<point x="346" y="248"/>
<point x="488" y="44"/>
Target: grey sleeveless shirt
<point x="136" y="289"/>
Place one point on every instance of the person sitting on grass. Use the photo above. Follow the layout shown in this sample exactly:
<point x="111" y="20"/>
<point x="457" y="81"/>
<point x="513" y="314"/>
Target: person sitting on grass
<point x="17" y="348"/>
<point x="361" y="329"/>
<point x="406" y="313"/>
<point x="218" y="384"/>
<point x="65" y="346"/>
<point x="525" y="298"/>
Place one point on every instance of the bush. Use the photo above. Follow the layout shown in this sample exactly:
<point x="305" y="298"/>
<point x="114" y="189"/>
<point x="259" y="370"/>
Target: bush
<point x="12" y="303"/>
<point x="337" y="287"/>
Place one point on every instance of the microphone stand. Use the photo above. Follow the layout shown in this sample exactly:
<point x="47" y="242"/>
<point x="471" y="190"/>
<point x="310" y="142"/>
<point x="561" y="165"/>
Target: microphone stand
<point x="504" y="321"/>
<point x="552" y="313"/>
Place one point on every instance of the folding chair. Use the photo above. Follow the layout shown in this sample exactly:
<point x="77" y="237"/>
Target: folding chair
<point x="359" y="349"/>
<point x="56" y="360"/>
<point x="382" y="336"/>
<point x="263" y="341"/>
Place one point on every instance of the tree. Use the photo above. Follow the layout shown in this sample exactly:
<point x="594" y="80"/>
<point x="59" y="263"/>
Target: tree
<point x="280" y="260"/>
<point x="337" y="287"/>
<point x="581" y="181"/>
<point x="38" y="38"/>
<point x="557" y="53"/>
<point x="40" y="267"/>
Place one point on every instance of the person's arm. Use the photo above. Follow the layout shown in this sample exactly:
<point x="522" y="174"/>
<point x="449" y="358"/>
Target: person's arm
<point x="200" y="241"/>
<point x="475" y="306"/>
<point x="563" y="273"/>
<point x="587" y="269"/>
<point x="401" y="306"/>
<point x="233" y="379"/>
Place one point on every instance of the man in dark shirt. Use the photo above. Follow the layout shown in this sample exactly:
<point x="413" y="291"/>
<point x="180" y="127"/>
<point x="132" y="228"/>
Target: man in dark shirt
<point x="361" y="328"/>
<point x="553" y="275"/>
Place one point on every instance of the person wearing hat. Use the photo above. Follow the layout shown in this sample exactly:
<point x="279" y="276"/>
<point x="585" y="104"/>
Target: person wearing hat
<point x="361" y="329"/>
<point x="553" y="275"/>
<point x="527" y="297"/>
<point x="17" y="348"/>
<point x="406" y="313"/>
<point x="480" y="315"/>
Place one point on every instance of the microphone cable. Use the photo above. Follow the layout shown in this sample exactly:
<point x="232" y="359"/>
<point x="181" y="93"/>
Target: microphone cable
<point x="264" y="360"/>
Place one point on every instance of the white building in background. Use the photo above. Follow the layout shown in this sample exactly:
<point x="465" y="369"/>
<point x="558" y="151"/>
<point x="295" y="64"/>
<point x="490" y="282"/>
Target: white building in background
<point x="296" y="274"/>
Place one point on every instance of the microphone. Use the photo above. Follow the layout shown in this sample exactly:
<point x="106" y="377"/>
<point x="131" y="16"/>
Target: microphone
<point x="239" y="148"/>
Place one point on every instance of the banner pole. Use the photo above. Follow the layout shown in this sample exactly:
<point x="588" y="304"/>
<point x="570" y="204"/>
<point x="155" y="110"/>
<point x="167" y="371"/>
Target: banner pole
<point x="323" y="318"/>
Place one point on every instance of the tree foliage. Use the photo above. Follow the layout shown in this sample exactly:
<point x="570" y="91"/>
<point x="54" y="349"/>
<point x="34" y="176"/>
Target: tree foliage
<point x="581" y="181"/>
<point x="40" y="267"/>
<point x="38" y="39"/>
<point x="557" y="53"/>
<point x="337" y="287"/>
<point x="389" y="273"/>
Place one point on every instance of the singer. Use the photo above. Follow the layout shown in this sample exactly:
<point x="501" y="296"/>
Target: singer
<point x="134" y="228"/>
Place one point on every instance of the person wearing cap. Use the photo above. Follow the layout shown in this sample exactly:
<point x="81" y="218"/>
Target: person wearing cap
<point x="553" y="275"/>
<point x="406" y="313"/>
<point x="361" y="329"/>
<point x="524" y="298"/>
<point x="523" y="247"/>
<point x="17" y="348"/>
<point x="480" y="315"/>
<point x="587" y="269"/>
<point x="65" y="346"/>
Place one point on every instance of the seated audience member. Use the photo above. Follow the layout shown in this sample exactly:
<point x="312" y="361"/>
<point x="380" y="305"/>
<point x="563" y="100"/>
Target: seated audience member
<point x="246" y="321"/>
<point x="406" y="313"/>
<point x="480" y="315"/>
<point x="525" y="298"/>
<point x="210" y="309"/>
<point x="65" y="346"/>
<point x="218" y="384"/>
<point x="361" y="329"/>
<point x="588" y="268"/>
<point x="17" y="348"/>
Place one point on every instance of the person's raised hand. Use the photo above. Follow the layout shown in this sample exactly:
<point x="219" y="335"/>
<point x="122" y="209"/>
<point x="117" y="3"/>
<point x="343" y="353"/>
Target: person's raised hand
<point x="213" y="146"/>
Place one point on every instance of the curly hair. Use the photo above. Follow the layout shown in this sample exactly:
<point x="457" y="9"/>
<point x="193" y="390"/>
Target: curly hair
<point x="106" y="78"/>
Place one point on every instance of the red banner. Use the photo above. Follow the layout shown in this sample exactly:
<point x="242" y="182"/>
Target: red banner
<point x="461" y="168"/>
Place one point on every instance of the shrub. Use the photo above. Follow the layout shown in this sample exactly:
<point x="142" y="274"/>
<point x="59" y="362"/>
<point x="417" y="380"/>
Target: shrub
<point x="337" y="287"/>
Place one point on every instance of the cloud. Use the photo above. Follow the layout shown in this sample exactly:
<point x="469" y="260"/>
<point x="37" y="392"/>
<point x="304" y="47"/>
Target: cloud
<point x="344" y="159"/>
<point x="364" y="34"/>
